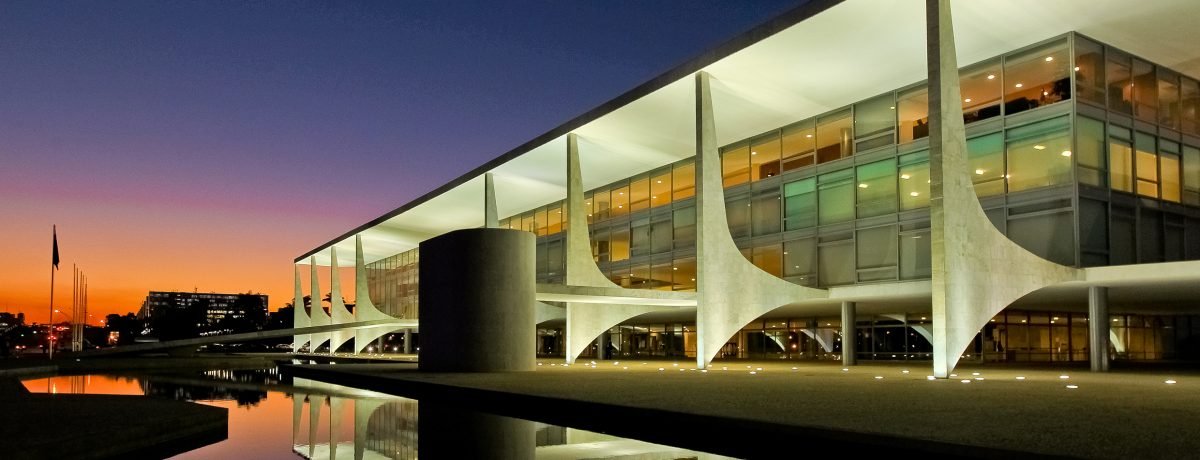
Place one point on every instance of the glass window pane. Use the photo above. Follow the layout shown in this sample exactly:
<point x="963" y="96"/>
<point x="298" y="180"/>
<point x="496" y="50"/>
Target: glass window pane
<point x="980" y="89"/>
<point x="985" y="157"/>
<point x="737" y="211"/>
<point x="683" y="181"/>
<point x="639" y="244"/>
<point x="660" y="189"/>
<point x="1050" y="236"/>
<point x="1089" y="149"/>
<point x="875" y="116"/>
<point x="913" y="111"/>
<point x="915" y="255"/>
<point x="1146" y="166"/>
<point x="1189" y="101"/>
<point x="800" y="203"/>
<point x="834" y="135"/>
<point x="769" y="258"/>
<point x="798" y="146"/>
<point x="639" y="277"/>
<point x="661" y="235"/>
<point x="876" y="253"/>
<point x="1120" y="82"/>
<point x="914" y="186"/>
<point x="735" y="165"/>
<point x="1039" y="155"/>
<point x="877" y="188"/>
<point x="620" y="201"/>
<point x="527" y="222"/>
<point x="1169" y="165"/>
<point x="1120" y="160"/>
<point x="1145" y="91"/>
<point x="836" y="196"/>
<point x="601" y="205"/>
<point x="661" y="277"/>
<point x="554" y="219"/>
<point x="1089" y="70"/>
<point x="836" y="264"/>
<point x="619" y="246"/>
<point x="639" y="194"/>
<point x="1036" y="78"/>
<point x="765" y="212"/>
<point x="1168" y="99"/>
<point x="1191" y="175"/>
<point x="800" y="261"/>
<point x="684" y="222"/>
<point x="764" y="157"/>
<point x="684" y="274"/>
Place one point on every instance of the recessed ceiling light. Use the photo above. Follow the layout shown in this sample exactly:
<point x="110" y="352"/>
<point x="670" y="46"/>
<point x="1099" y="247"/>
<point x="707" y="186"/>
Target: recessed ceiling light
<point x="913" y="194"/>
<point x="753" y="153"/>
<point x="979" y="172"/>
<point x="863" y="185"/>
<point x="1049" y="58"/>
<point x="967" y="100"/>
<point x="1066" y="153"/>
<point x="905" y="176"/>
<point x="991" y="77"/>
<point x="1018" y="85"/>
<point x="808" y="135"/>
<point x="1076" y="68"/>
<point x="1039" y="147"/>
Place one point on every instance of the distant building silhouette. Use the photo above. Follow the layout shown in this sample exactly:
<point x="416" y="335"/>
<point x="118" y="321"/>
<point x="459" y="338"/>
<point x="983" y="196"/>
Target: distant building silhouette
<point x="177" y="315"/>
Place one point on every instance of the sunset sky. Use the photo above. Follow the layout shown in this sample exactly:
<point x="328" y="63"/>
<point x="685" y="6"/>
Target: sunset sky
<point x="204" y="145"/>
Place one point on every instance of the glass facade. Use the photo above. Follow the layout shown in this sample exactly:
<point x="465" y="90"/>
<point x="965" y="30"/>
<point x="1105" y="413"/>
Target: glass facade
<point x="394" y="283"/>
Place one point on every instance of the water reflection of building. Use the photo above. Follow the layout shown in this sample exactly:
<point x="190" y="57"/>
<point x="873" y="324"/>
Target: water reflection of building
<point x="201" y="392"/>
<point x="336" y="422"/>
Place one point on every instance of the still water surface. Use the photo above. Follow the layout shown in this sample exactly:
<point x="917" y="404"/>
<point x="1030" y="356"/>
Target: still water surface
<point x="279" y="417"/>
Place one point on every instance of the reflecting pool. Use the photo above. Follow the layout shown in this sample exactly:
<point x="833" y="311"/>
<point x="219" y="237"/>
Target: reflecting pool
<point x="274" y="416"/>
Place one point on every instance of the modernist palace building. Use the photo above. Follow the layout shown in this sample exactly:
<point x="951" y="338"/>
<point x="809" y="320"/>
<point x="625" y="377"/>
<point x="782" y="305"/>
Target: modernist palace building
<point x="827" y="186"/>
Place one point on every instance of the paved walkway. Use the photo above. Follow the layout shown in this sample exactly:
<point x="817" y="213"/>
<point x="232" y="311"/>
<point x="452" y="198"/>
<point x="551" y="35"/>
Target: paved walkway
<point x="1056" y="412"/>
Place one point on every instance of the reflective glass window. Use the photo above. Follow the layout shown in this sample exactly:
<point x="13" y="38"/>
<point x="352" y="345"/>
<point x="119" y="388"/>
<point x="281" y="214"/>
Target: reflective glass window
<point x="875" y="116"/>
<point x="769" y="258"/>
<point x="835" y="192"/>
<point x="876" y="188"/>
<point x="1120" y="161"/>
<point x="1089" y="149"/>
<point x="620" y="201"/>
<point x="1119" y="79"/>
<point x="1048" y="235"/>
<point x="876" y="253"/>
<point x="915" y="254"/>
<point x="684" y="274"/>
<point x="527" y="222"/>
<point x="980" y="89"/>
<point x="639" y="277"/>
<point x="683" y="181"/>
<point x="661" y="277"/>
<point x="1145" y="91"/>
<point x="639" y="240"/>
<point x="913" y="112"/>
<point x="798" y="146"/>
<point x="800" y="261"/>
<point x="735" y="165"/>
<point x="914" y="180"/>
<point x="1191" y="175"/>
<point x="1189" y="102"/>
<point x="1146" y="165"/>
<point x="660" y="189"/>
<point x="737" y="211"/>
<point x="1089" y="70"/>
<point x="684" y="222"/>
<point x="619" y="243"/>
<point x="601" y="204"/>
<point x="639" y="194"/>
<point x="1169" y="172"/>
<point x="985" y="157"/>
<point x="835" y="264"/>
<point x="800" y="204"/>
<point x="1039" y="155"/>
<point x="661" y="234"/>
<point x="834" y="135"/>
<point x="765" y="212"/>
<point x="1037" y="77"/>
<point x="1168" y="99"/>
<point x="764" y="156"/>
<point x="554" y="219"/>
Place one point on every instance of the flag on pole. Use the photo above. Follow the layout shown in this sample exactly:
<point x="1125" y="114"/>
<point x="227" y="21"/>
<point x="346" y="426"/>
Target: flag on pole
<point x="55" y="256"/>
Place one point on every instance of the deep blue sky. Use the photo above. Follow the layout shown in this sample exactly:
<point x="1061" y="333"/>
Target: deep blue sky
<point x="335" y="112"/>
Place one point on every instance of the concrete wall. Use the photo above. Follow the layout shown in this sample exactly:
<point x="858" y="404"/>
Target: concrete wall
<point x="477" y="295"/>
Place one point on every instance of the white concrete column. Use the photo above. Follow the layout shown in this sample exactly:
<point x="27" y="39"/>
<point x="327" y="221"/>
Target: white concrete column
<point x="730" y="291"/>
<point x="317" y="312"/>
<point x="491" y="219"/>
<point x="408" y="348"/>
<point x="337" y="309"/>
<point x="849" y="333"/>
<point x="1098" y="328"/>
<point x="299" y="316"/>
<point x="586" y="321"/>
<point x="977" y="271"/>
<point x="364" y="308"/>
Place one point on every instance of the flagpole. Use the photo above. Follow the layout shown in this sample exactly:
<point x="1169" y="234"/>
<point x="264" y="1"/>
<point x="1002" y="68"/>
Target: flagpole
<point x="50" y="322"/>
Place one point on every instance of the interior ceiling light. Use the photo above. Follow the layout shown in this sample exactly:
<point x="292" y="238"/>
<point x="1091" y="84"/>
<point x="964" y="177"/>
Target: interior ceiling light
<point x="914" y="194"/>
<point x="1018" y="85"/>
<point x="991" y="77"/>
<point x="863" y="186"/>
<point x="1049" y="58"/>
<point x="967" y="100"/>
<point x="979" y="172"/>
<point x="1066" y="153"/>
<point x="905" y="176"/>
<point x="1039" y="147"/>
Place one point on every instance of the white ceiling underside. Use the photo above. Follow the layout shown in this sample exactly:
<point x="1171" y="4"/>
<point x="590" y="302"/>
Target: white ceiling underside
<point x="851" y="51"/>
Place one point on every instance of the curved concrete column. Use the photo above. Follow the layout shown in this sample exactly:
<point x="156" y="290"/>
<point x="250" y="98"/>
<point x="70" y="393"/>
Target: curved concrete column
<point x="476" y="300"/>
<point x="363" y="409"/>
<point x="317" y="312"/>
<point x="545" y="312"/>
<point x="337" y="308"/>
<point x="314" y="419"/>
<point x="299" y="317"/>
<point x="977" y="271"/>
<point x="730" y="291"/>
<point x="922" y="329"/>
<point x="364" y="308"/>
<point x="586" y="321"/>
<point x="491" y="219"/>
<point x="335" y="425"/>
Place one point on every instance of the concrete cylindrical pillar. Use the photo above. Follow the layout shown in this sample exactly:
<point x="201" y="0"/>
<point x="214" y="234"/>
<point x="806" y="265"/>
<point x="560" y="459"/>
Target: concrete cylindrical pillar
<point x="849" y="333"/>
<point x="1098" y="327"/>
<point x="477" y="297"/>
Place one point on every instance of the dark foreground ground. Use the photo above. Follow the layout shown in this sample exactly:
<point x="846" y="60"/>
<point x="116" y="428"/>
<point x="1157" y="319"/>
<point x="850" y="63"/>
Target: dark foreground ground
<point x="754" y="409"/>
